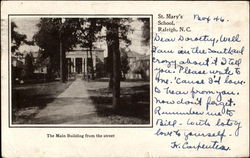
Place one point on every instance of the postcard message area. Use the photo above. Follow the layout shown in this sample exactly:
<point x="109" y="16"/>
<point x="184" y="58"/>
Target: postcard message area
<point x="199" y="80"/>
<point x="199" y="85"/>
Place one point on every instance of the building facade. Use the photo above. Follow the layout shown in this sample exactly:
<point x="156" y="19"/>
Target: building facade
<point x="79" y="60"/>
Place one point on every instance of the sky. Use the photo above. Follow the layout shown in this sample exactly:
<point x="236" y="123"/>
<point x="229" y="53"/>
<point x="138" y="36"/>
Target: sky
<point x="27" y="26"/>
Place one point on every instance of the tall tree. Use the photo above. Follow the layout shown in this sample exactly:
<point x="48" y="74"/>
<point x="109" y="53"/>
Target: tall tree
<point x="117" y="29"/>
<point x="88" y="35"/>
<point x="16" y="38"/>
<point x="51" y="33"/>
<point x="88" y="30"/>
<point x="92" y="38"/>
<point x="29" y="66"/>
<point x="124" y="63"/>
<point x="113" y="47"/>
<point x="145" y="30"/>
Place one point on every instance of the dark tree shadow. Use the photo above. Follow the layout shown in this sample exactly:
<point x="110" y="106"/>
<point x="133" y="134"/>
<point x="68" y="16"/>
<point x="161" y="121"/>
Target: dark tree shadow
<point x="135" y="102"/>
<point x="126" y="80"/>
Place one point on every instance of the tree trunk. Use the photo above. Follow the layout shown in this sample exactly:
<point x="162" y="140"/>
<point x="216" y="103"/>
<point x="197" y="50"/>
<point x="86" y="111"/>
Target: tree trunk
<point x="84" y="67"/>
<point x="87" y="68"/>
<point x="116" y="73"/>
<point x="65" y="67"/>
<point x="61" y="61"/>
<point x="110" y="66"/>
<point x="92" y="31"/>
<point x="113" y="44"/>
<point x="50" y="73"/>
<point x="91" y="64"/>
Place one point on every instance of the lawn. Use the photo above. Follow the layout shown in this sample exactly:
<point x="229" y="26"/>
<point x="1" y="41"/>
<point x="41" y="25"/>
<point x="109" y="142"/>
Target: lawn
<point x="134" y="105"/>
<point x="30" y="99"/>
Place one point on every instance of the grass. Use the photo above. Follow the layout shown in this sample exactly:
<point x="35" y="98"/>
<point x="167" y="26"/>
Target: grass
<point x="29" y="99"/>
<point x="33" y="97"/>
<point x="134" y="101"/>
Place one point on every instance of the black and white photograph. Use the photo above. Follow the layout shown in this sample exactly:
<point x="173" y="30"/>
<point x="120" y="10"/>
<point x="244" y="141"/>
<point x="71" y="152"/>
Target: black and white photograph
<point x="80" y="70"/>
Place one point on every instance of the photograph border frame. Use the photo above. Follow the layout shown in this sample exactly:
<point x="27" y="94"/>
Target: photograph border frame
<point x="150" y="125"/>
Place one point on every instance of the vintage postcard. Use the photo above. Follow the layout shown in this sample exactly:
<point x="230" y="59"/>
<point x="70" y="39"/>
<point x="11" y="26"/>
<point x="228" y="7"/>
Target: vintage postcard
<point x="125" y="79"/>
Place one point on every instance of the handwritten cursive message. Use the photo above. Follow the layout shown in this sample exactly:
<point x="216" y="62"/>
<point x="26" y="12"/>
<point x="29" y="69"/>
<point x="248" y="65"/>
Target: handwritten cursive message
<point x="197" y="81"/>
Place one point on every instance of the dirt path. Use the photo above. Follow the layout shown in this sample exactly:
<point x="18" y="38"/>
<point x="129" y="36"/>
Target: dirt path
<point x="73" y="106"/>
